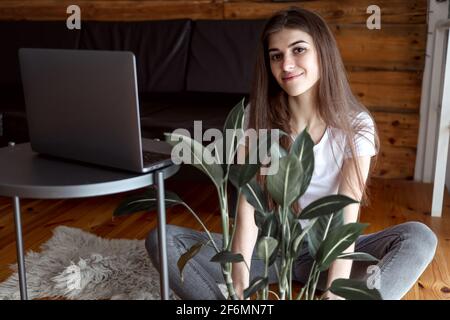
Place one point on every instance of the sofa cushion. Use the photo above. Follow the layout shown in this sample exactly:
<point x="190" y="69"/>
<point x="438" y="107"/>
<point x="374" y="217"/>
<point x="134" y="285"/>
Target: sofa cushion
<point x="222" y="55"/>
<point x="160" y="47"/>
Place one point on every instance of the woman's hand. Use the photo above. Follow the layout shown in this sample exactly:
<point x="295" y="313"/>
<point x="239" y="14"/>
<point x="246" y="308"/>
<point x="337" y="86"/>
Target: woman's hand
<point x="240" y="278"/>
<point x="239" y="290"/>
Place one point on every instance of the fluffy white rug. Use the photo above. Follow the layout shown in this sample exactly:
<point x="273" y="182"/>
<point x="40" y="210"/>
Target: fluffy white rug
<point x="75" y="264"/>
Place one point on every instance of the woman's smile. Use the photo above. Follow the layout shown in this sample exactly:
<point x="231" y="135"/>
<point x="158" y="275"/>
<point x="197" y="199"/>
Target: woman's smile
<point x="292" y="77"/>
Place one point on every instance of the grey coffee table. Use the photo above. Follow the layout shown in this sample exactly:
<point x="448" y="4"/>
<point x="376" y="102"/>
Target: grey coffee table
<point x="25" y="174"/>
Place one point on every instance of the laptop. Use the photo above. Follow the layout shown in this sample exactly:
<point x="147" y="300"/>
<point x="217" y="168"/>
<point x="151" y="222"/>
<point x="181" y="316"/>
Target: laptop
<point x="83" y="105"/>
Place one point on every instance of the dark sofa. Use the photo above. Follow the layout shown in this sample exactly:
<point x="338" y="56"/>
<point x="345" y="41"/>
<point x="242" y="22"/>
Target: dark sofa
<point x="187" y="70"/>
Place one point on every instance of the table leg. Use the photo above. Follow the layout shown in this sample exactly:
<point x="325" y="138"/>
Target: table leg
<point x="164" y="280"/>
<point x="19" y="247"/>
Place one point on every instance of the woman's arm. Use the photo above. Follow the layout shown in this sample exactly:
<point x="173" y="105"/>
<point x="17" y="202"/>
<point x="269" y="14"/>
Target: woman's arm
<point x="341" y="268"/>
<point x="244" y="240"/>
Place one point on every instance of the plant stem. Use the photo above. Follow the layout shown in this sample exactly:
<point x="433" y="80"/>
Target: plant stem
<point x="224" y="215"/>
<point x="274" y="293"/>
<point x="226" y="267"/>
<point x="300" y="295"/>
<point x="316" y="280"/>
<point x="290" y="284"/>
<point x="306" y="287"/>
<point x="266" y="273"/>
<point x="328" y="227"/>
<point x="316" y="272"/>
<point x="282" y="284"/>
<point x="233" y="231"/>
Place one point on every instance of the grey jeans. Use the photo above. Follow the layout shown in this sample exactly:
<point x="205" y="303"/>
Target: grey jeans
<point x="404" y="251"/>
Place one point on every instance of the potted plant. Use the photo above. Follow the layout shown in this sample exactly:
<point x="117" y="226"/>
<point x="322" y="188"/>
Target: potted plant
<point x="280" y="233"/>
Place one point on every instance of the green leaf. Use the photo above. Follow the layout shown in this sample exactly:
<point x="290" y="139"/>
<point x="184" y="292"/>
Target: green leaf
<point x="241" y="174"/>
<point x="227" y="256"/>
<point x="357" y="256"/>
<point x="322" y="225"/>
<point x="265" y="247"/>
<point x="294" y="225"/>
<point x="298" y="239"/>
<point x="244" y="172"/>
<point x="292" y="218"/>
<point x="199" y="154"/>
<point x="283" y="186"/>
<point x="247" y="172"/>
<point x="260" y="218"/>
<point x="351" y="289"/>
<point x="257" y="284"/>
<point x="275" y="254"/>
<point x="326" y="205"/>
<point x="233" y="175"/>
<point x="147" y="201"/>
<point x="336" y="242"/>
<point x="302" y="149"/>
<point x="188" y="255"/>
<point x="276" y="150"/>
<point x="270" y="226"/>
<point x="233" y="122"/>
<point x="302" y="145"/>
<point x="255" y="195"/>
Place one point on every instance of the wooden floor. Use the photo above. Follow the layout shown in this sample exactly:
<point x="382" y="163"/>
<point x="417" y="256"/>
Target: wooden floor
<point x="393" y="202"/>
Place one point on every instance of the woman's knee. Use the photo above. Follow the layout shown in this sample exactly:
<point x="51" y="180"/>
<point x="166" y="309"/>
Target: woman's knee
<point x="423" y="238"/>
<point x="152" y="241"/>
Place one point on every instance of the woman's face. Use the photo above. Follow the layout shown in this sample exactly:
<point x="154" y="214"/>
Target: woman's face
<point x="293" y="60"/>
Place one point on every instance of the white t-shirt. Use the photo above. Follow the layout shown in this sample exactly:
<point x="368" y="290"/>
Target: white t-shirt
<point x="329" y="155"/>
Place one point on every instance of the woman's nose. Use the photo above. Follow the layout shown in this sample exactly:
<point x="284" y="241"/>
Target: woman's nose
<point x="288" y="64"/>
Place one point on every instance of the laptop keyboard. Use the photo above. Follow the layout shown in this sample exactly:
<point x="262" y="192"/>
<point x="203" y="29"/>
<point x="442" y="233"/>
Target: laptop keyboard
<point x="153" y="157"/>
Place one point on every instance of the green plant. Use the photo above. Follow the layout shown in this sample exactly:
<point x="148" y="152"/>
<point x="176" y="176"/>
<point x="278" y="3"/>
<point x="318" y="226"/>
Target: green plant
<point x="280" y="235"/>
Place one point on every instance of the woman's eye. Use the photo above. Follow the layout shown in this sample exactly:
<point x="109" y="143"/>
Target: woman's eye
<point x="299" y="50"/>
<point x="275" y="57"/>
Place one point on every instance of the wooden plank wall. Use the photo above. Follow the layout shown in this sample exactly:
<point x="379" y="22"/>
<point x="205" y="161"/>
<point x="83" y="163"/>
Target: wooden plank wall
<point x="384" y="66"/>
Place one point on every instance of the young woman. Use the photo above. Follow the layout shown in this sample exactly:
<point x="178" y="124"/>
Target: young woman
<point x="300" y="81"/>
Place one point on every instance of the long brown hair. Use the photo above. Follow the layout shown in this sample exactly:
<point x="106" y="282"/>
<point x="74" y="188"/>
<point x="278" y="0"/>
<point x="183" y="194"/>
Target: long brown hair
<point x="337" y="105"/>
